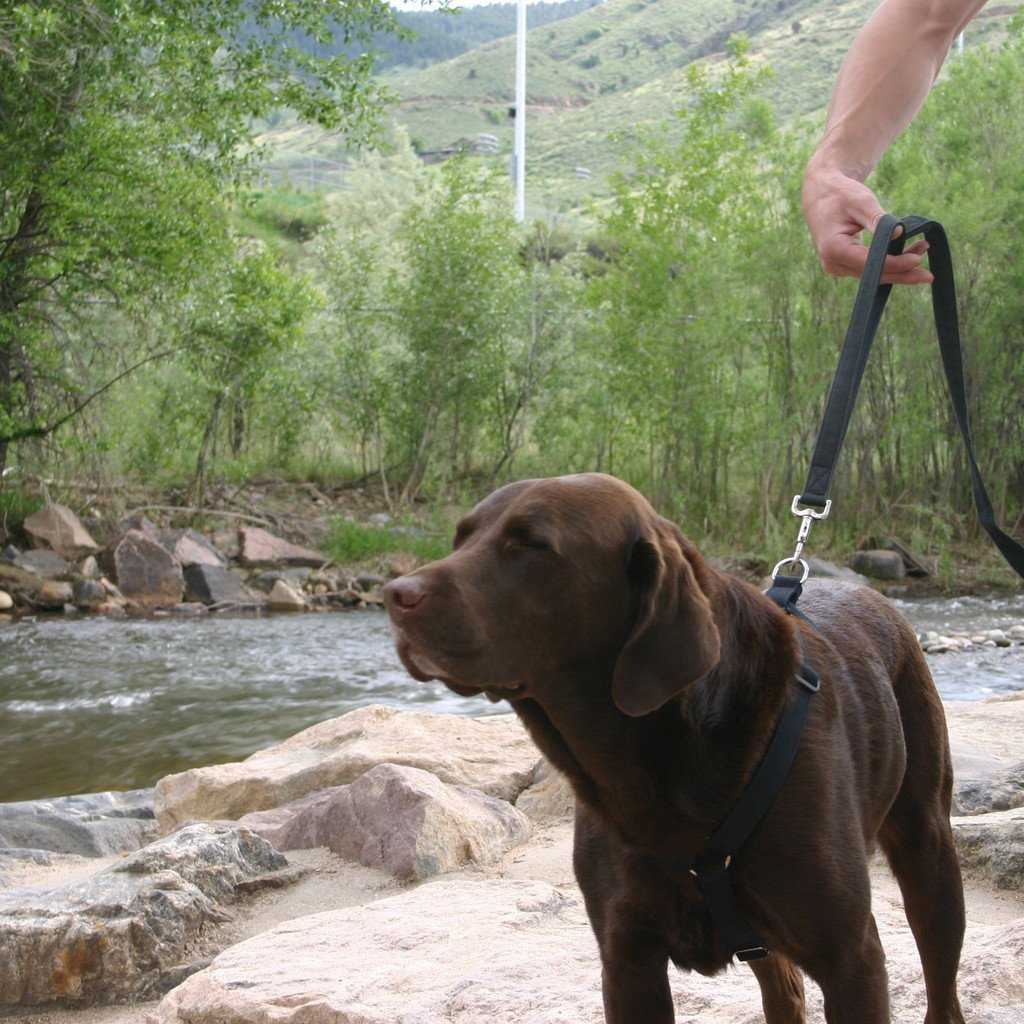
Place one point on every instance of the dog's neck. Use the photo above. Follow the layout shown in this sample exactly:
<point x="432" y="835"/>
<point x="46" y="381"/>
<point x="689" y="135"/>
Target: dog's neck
<point x="684" y="764"/>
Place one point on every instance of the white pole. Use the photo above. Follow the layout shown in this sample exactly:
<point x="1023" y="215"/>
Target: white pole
<point x="520" y="141"/>
<point x="960" y="45"/>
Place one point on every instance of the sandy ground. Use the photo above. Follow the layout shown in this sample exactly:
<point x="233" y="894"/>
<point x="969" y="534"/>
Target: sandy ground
<point x="333" y="884"/>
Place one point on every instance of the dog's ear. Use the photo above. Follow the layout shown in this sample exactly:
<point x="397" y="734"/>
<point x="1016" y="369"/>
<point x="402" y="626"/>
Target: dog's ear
<point x="674" y="640"/>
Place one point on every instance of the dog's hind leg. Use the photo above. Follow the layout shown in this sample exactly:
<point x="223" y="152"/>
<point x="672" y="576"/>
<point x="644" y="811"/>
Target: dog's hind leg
<point x="918" y="843"/>
<point x="782" y="989"/>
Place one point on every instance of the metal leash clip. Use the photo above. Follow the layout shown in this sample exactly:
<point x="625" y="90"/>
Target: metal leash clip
<point x="807" y="517"/>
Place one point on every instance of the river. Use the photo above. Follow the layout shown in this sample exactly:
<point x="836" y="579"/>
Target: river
<point x="94" y="704"/>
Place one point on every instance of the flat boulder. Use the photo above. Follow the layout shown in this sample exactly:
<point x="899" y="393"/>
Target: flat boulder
<point x="58" y="528"/>
<point x="114" y="936"/>
<point x="992" y="846"/>
<point x="259" y="549"/>
<point x="42" y="563"/>
<point x="146" y="573"/>
<point x="492" y="754"/>
<point x="988" y="753"/>
<point x="468" y="951"/>
<point x="403" y="820"/>
<point x="88" y="825"/>
<point x="212" y="584"/>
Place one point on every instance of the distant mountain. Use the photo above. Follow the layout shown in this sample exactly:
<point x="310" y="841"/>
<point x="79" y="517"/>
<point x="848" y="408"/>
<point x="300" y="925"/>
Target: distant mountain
<point x="439" y="36"/>
<point x="594" y="79"/>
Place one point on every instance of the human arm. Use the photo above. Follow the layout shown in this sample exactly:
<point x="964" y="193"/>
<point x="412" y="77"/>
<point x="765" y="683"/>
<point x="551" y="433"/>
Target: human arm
<point x="885" y="78"/>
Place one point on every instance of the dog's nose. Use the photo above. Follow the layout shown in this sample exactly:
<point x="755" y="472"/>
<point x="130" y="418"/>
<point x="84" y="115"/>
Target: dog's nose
<point x="404" y="593"/>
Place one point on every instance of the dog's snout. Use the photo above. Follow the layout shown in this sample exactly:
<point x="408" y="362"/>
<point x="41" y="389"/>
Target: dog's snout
<point x="404" y="593"/>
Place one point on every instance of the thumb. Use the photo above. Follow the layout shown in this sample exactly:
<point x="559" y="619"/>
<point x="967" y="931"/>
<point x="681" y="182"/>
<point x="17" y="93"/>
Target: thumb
<point x="865" y="208"/>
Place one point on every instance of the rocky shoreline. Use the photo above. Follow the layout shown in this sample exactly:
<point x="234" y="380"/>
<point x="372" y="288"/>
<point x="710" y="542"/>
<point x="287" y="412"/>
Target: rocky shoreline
<point x="388" y="865"/>
<point x="145" y="570"/>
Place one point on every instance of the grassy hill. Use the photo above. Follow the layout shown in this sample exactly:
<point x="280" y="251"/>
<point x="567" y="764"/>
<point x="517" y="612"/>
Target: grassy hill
<point x="594" y="79"/>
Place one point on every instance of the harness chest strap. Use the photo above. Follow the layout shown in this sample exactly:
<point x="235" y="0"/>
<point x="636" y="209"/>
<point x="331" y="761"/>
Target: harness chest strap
<point x="711" y="868"/>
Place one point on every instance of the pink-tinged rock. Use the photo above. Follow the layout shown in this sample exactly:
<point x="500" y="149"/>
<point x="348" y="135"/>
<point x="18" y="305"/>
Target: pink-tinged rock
<point x="492" y="754"/>
<point x="190" y="548"/>
<point x="285" y="598"/>
<point x="403" y="820"/>
<point x="146" y="573"/>
<point x="260" y="549"/>
<point x="58" y="528"/>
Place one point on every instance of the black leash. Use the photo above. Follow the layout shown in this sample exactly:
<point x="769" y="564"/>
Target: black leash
<point x="872" y="296"/>
<point x="711" y="868"/>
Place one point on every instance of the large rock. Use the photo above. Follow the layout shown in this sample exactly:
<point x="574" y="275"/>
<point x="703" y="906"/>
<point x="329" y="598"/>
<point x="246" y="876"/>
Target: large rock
<point x="992" y="845"/>
<point x="212" y="584"/>
<point x="403" y="820"/>
<point x="285" y="598"/>
<point x="42" y="563"/>
<point x="492" y="754"/>
<point x="189" y="548"/>
<point x="878" y="564"/>
<point x="58" y="528"/>
<point x="996" y="789"/>
<point x="260" y="549"/>
<point x="516" y="952"/>
<point x="89" y="825"/>
<point x="549" y="798"/>
<point x="146" y="572"/>
<point x="985" y="738"/>
<point x="111" y="937"/>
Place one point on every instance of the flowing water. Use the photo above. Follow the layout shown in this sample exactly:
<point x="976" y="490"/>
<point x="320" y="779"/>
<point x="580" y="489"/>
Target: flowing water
<point x="95" y="704"/>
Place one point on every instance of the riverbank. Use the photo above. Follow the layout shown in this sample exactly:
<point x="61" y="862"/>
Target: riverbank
<point x="485" y="923"/>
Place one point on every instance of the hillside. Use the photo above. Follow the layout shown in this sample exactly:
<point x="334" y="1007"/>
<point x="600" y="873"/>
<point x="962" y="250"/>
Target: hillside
<point x="594" y="79"/>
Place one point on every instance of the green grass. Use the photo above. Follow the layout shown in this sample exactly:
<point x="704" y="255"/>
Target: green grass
<point x="16" y="507"/>
<point x="349" y="542"/>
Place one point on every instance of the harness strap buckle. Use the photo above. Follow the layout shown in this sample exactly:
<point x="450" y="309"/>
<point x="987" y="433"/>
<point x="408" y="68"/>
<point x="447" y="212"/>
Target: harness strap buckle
<point x="753" y="953"/>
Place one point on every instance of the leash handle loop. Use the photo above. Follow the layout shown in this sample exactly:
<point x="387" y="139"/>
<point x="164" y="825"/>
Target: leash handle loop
<point x="868" y="307"/>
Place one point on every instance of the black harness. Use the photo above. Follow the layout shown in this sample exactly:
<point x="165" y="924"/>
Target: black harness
<point x="711" y="867"/>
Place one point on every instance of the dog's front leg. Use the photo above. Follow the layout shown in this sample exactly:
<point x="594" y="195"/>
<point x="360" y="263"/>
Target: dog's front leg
<point x="634" y="978"/>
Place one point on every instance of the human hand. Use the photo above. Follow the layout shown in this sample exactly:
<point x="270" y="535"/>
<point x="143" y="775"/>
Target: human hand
<point x="837" y="209"/>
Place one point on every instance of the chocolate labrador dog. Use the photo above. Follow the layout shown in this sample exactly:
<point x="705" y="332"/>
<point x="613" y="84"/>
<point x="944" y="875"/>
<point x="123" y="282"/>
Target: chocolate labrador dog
<point x="654" y="682"/>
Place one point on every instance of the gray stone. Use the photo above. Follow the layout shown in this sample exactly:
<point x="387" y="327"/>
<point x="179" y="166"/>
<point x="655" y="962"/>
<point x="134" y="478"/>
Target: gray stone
<point x="146" y="574"/>
<point x="992" y="845"/>
<point x="492" y="754"/>
<point x="997" y="789"/>
<point x="6" y="601"/>
<point x="44" y="564"/>
<point x="89" y="825"/>
<point x="211" y="584"/>
<point x="403" y="820"/>
<point x="112" y="937"/>
<point x="260" y="549"/>
<point x="89" y="569"/>
<point x="879" y="565"/>
<point x="89" y="594"/>
<point x="58" y="528"/>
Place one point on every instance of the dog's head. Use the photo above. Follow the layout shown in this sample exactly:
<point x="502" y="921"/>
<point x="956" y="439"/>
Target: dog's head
<point x="572" y="576"/>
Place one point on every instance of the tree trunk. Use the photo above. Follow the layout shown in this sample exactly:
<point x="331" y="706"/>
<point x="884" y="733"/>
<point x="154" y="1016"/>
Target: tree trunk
<point x="199" y="481"/>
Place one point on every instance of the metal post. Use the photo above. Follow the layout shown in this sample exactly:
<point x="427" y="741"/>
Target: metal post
<point x="520" y="127"/>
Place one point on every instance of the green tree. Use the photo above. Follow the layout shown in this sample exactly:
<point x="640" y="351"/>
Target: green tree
<point x="124" y="124"/>
<point x="245" y="320"/>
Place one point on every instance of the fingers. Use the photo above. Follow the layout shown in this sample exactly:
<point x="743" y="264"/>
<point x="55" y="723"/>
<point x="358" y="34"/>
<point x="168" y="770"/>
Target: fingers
<point x="846" y="256"/>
